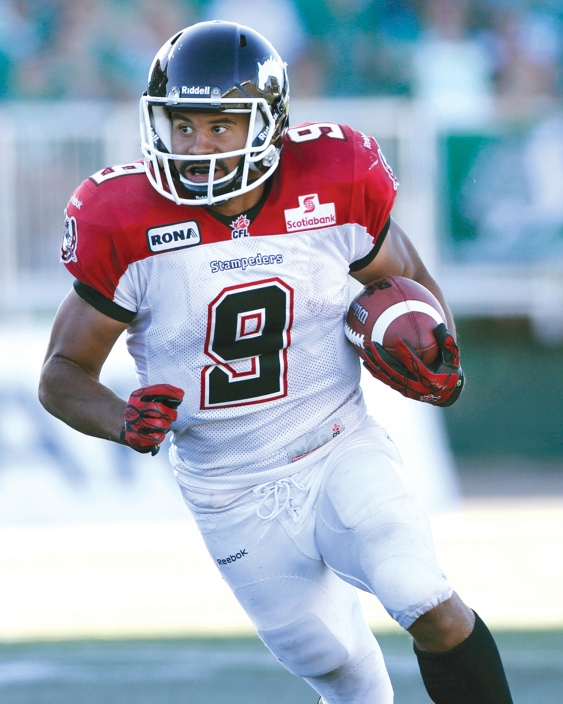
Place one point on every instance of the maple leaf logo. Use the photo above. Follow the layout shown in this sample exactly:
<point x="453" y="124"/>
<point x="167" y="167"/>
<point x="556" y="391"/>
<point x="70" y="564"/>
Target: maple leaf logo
<point x="241" y="223"/>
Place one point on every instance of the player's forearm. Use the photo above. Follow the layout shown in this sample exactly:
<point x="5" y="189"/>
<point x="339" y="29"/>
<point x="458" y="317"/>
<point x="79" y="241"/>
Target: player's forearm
<point x="428" y="282"/>
<point x="74" y="396"/>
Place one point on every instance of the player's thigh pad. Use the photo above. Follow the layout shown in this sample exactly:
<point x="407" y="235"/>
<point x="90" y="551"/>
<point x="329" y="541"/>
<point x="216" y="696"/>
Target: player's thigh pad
<point x="308" y="617"/>
<point x="372" y="531"/>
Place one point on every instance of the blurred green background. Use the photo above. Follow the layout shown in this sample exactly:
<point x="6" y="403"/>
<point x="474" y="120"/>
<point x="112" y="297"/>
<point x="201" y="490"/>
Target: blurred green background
<point x="511" y="406"/>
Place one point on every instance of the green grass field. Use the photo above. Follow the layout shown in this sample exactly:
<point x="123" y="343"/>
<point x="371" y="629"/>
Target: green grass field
<point x="234" y="671"/>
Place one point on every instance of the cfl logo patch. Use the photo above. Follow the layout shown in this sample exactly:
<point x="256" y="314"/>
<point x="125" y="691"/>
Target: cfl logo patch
<point x="240" y="227"/>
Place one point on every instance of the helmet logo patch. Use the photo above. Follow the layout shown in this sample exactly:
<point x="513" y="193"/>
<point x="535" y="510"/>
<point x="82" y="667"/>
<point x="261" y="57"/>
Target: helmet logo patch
<point x="271" y="68"/>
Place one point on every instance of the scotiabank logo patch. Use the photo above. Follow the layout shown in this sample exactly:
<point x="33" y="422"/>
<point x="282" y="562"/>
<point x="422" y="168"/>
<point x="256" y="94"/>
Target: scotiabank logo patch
<point x="310" y="214"/>
<point x="175" y="236"/>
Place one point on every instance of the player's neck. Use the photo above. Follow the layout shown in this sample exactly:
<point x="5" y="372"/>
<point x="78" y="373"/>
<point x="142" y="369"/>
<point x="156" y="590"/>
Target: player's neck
<point x="240" y="204"/>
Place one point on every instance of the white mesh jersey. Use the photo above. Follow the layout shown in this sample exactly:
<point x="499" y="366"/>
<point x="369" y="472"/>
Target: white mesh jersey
<point x="245" y="314"/>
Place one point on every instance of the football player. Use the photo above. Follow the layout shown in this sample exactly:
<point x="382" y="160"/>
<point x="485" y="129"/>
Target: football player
<point x="225" y="253"/>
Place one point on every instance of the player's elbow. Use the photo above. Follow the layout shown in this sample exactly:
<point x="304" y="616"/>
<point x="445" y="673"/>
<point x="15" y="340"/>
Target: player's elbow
<point x="46" y="387"/>
<point x="52" y="383"/>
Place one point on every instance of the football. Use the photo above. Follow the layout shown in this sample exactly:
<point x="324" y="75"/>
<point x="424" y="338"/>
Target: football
<point x="395" y="307"/>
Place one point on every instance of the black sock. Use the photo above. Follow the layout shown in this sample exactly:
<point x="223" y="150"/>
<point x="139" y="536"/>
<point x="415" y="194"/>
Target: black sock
<point x="470" y="673"/>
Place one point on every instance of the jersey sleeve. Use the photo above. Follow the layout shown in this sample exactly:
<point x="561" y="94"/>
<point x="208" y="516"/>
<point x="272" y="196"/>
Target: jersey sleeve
<point x="96" y="251"/>
<point x="359" y="264"/>
<point x="103" y="304"/>
<point x="373" y="196"/>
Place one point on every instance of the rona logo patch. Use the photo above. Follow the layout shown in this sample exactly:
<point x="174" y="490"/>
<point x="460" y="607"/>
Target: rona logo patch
<point x="175" y="236"/>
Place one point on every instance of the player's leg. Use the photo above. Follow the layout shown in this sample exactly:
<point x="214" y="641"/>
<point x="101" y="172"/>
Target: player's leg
<point x="372" y="532"/>
<point x="309" y="618"/>
<point x="458" y="657"/>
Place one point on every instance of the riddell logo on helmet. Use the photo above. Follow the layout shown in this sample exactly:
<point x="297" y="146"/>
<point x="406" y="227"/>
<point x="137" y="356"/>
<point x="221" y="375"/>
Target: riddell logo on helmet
<point x="310" y="214"/>
<point x="196" y="90"/>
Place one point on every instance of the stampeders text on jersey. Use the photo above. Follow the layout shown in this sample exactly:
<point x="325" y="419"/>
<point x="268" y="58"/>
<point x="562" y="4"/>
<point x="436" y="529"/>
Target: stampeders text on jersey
<point x="244" y="262"/>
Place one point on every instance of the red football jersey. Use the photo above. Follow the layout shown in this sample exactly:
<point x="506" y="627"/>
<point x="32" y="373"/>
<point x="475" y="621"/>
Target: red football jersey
<point x="244" y="313"/>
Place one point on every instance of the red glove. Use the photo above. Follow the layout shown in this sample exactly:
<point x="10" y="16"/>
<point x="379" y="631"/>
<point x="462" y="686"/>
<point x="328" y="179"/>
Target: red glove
<point x="148" y="416"/>
<point x="440" y="384"/>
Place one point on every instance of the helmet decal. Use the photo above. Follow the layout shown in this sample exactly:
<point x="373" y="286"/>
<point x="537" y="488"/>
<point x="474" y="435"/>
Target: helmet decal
<point x="271" y="68"/>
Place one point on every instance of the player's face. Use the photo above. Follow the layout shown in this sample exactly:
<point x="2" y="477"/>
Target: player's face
<point x="199" y="133"/>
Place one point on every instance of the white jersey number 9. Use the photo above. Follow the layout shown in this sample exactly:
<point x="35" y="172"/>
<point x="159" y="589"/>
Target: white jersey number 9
<point x="314" y="131"/>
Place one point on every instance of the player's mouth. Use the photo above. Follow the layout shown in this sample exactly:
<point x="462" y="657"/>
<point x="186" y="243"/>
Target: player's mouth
<point x="198" y="172"/>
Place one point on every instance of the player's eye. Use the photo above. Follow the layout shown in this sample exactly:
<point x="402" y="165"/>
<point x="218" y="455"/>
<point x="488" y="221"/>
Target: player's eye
<point x="185" y="129"/>
<point x="219" y="129"/>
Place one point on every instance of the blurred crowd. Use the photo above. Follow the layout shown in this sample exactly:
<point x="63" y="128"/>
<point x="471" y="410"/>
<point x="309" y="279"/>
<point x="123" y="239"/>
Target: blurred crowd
<point x="462" y="57"/>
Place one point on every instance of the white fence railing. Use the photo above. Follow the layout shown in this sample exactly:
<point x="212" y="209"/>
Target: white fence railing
<point x="49" y="148"/>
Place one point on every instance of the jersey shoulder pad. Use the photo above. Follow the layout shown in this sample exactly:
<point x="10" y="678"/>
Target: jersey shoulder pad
<point x="319" y="141"/>
<point x="354" y="154"/>
<point x="95" y="246"/>
<point x="110" y="173"/>
<point x="108" y="187"/>
<point x="352" y="168"/>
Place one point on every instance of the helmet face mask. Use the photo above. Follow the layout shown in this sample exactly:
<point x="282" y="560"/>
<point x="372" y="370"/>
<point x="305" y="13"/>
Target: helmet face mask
<point x="216" y="67"/>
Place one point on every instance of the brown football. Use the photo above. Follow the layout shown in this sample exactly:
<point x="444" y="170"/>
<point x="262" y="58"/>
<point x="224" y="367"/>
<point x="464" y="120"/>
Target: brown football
<point x="396" y="307"/>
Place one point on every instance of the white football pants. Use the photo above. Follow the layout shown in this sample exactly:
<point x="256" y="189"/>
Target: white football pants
<point x="292" y="549"/>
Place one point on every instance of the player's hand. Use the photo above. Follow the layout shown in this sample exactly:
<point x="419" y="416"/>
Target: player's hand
<point x="148" y="416"/>
<point x="439" y="384"/>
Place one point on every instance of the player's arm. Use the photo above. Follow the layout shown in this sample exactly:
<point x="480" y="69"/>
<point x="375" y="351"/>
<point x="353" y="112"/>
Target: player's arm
<point x="398" y="257"/>
<point x="442" y="382"/>
<point x="70" y="389"/>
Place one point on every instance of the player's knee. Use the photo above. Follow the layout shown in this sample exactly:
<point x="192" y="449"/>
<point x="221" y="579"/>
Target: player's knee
<point x="306" y="647"/>
<point x="444" y="626"/>
<point x="405" y="598"/>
